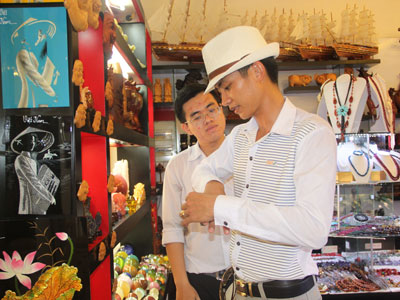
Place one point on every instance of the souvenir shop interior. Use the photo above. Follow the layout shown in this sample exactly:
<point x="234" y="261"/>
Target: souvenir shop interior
<point x="88" y="127"/>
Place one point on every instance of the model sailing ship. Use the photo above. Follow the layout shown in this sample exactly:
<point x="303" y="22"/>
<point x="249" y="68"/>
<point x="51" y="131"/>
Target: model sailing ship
<point x="357" y="35"/>
<point x="180" y="28"/>
<point x="282" y="35"/>
<point x="312" y="37"/>
<point x="174" y="43"/>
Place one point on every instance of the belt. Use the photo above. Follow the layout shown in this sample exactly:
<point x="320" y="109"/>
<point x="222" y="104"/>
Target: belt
<point x="217" y="275"/>
<point x="275" y="288"/>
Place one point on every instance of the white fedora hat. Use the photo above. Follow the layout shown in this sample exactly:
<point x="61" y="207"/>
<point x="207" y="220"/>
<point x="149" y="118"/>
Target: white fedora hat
<point x="233" y="49"/>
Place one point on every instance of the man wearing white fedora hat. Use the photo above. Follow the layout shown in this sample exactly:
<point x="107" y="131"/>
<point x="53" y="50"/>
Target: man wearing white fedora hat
<point x="283" y="162"/>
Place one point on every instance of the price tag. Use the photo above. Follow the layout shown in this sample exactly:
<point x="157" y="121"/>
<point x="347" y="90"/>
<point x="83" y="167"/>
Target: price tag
<point x="347" y="245"/>
<point x="375" y="246"/>
<point x="330" y="249"/>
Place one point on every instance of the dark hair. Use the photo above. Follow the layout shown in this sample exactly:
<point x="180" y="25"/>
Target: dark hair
<point x="269" y="64"/>
<point x="188" y="92"/>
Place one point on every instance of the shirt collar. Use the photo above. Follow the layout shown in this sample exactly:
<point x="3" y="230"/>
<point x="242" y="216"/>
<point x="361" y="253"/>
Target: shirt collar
<point x="195" y="152"/>
<point x="283" y="124"/>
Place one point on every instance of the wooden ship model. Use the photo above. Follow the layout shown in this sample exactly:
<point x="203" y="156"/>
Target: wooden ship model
<point x="279" y="29"/>
<point x="180" y="28"/>
<point x="356" y="42"/>
<point x="312" y="38"/>
<point x="175" y="42"/>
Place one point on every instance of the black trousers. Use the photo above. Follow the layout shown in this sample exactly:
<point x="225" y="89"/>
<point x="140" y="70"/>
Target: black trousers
<point x="206" y="286"/>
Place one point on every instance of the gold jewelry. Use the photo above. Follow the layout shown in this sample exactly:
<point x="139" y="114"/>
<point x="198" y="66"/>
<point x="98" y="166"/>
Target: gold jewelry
<point x="182" y="213"/>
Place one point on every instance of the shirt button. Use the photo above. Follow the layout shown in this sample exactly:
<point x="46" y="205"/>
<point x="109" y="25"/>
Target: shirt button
<point x="251" y="157"/>
<point x="238" y="243"/>
<point x="226" y="223"/>
<point x="247" y="186"/>
<point x="237" y="268"/>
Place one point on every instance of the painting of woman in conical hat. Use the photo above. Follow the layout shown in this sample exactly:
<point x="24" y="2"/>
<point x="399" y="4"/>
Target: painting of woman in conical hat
<point x="37" y="165"/>
<point x="36" y="183"/>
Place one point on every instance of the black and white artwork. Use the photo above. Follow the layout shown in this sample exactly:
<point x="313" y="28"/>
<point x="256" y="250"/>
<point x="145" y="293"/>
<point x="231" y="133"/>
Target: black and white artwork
<point x="38" y="165"/>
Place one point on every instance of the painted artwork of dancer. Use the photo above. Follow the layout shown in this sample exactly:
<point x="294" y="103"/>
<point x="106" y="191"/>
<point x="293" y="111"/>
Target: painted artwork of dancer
<point x="34" y="57"/>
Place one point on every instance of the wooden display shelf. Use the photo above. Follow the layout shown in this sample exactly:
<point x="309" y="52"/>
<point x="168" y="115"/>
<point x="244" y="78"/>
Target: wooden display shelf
<point x="120" y="133"/>
<point x="289" y="65"/>
<point x="164" y="105"/>
<point x="323" y="64"/>
<point x="347" y="178"/>
<point x="94" y="261"/>
<point x="122" y="229"/>
<point x="301" y="89"/>
<point x="124" y="226"/>
<point x="164" y="111"/>
<point x="130" y="58"/>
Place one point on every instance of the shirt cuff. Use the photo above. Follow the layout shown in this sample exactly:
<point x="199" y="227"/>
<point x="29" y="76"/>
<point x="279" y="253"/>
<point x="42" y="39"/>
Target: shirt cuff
<point x="226" y="210"/>
<point x="172" y="236"/>
<point x="200" y="184"/>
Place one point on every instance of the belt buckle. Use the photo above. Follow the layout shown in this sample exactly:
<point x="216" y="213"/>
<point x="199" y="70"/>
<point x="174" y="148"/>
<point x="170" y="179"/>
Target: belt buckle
<point x="240" y="287"/>
<point x="219" y="274"/>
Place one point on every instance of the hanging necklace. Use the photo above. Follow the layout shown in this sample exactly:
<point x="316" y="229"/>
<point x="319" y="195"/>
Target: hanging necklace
<point x="382" y="164"/>
<point x="343" y="110"/>
<point x="372" y="108"/>
<point x="381" y="100"/>
<point x="359" y="153"/>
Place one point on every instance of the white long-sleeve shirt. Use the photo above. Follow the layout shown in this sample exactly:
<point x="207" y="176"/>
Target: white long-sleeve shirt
<point x="284" y="186"/>
<point x="204" y="252"/>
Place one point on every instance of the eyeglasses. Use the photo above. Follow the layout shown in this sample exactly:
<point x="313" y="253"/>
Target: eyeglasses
<point x="199" y="118"/>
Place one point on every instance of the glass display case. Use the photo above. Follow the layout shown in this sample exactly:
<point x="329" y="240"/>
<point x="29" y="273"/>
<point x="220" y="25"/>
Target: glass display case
<point x="362" y="254"/>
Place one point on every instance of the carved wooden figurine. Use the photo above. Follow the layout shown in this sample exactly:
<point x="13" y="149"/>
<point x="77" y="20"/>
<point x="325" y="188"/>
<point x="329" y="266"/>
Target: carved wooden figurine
<point x="110" y="127"/>
<point x="167" y="90"/>
<point x="299" y="80"/>
<point x="80" y="116"/>
<point x="77" y="73"/>
<point x="83" y="191"/>
<point x="132" y="105"/>
<point x="109" y="91"/>
<point x="97" y="121"/>
<point x="157" y="91"/>
<point x="321" y="78"/>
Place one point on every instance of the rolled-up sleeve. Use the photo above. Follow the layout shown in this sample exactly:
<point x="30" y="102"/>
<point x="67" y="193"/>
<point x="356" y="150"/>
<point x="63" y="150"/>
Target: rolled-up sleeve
<point x="218" y="166"/>
<point x="173" y="231"/>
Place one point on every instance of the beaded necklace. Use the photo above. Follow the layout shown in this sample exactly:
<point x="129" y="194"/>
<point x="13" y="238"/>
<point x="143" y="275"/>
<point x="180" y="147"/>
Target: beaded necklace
<point x="382" y="164"/>
<point x="359" y="153"/>
<point x="343" y="110"/>
<point x="381" y="100"/>
<point x="372" y="108"/>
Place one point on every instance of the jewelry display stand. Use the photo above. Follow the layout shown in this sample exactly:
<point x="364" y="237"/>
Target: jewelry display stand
<point x="344" y="150"/>
<point x="383" y="104"/>
<point x="352" y="158"/>
<point x="344" y="111"/>
<point x="388" y="163"/>
<point x="360" y="166"/>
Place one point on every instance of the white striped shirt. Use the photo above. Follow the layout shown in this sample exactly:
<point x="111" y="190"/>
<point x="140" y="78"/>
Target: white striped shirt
<point x="284" y="186"/>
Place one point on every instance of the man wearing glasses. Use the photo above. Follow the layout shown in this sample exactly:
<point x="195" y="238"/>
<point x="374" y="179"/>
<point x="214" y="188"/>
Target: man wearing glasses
<point x="198" y="257"/>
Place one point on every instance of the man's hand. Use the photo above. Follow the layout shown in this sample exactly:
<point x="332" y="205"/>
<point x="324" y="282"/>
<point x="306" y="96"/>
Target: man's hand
<point x="198" y="207"/>
<point x="186" y="292"/>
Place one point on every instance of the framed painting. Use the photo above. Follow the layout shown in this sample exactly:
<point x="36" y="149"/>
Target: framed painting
<point x="44" y="258"/>
<point x="34" y="56"/>
<point x="38" y="170"/>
